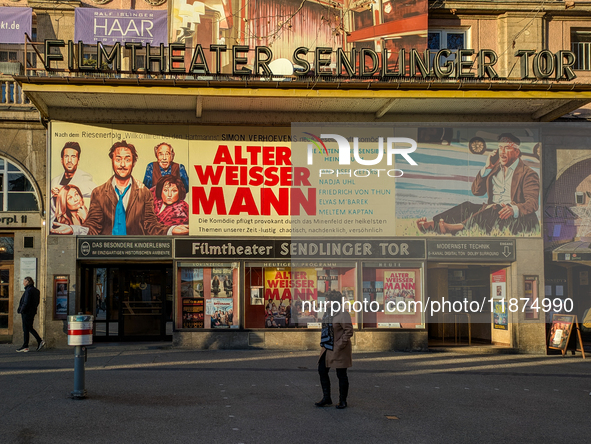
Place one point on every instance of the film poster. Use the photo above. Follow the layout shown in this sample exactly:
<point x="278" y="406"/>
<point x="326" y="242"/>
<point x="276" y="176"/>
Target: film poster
<point x="560" y="331"/>
<point x="192" y="282"/>
<point x="285" y="290"/>
<point x="399" y="290"/>
<point x="61" y="297"/>
<point x="220" y="312"/>
<point x="193" y="315"/>
<point x="500" y="318"/>
<point x="221" y="283"/>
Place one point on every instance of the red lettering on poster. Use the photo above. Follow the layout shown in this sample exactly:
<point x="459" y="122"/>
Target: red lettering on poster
<point x="267" y="168"/>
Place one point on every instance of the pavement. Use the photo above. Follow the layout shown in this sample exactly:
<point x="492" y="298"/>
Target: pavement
<point x="152" y="393"/>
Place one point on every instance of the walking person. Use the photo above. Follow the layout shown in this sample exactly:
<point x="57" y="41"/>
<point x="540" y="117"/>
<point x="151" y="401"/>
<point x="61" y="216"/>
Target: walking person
<point x="336" y="351"/>
<point x="28" y="309"/>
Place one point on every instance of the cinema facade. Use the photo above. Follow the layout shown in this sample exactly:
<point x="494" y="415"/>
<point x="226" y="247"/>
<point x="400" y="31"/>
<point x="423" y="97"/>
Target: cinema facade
<point x="272" y="228"/>
<point x="263" y="218"/>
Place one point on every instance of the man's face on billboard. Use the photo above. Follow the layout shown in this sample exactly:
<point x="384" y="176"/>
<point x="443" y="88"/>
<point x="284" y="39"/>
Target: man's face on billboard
<point x="122" y="163"/>
<point x="508" y="152"/>
<point x="164" y="155"/>
<point x="70" y="160"/>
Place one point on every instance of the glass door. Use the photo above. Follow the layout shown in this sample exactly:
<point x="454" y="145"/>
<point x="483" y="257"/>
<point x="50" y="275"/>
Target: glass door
<point x="101" y="299"/>
<point x="128" y="302"/>
<point x="143" y="302"/>
<point x="6" y="300"/>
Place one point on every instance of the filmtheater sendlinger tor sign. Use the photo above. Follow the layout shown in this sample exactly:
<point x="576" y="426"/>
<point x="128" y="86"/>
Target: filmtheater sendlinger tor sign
<point x="364" y="63"/>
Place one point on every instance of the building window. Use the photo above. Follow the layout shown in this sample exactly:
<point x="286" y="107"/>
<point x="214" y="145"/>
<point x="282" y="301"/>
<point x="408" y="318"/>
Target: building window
<point x="89" y="59"/>
<point x="393" y="10"/>
<point x="8" y="56"/>
<point x="363" y="18"/>
<point x="394" y="297"/>
<point x="140" y="60"/>
<point x="6" y="252"/>
<point x="282" y="297"/>
<point x="31" y="60"/>
<point x="447" y="39"/>
<point x="581" y="46"/>
<point x="16" y="190"/>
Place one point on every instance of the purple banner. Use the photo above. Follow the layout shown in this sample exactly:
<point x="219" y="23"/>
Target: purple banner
<point x="14" y="22"/>
<point x="109" y="26"/>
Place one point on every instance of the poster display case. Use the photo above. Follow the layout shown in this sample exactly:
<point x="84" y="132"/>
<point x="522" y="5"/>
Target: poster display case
<point x="207" y="295"/>
<point x="293" y="294"/>
<point x="393" y="295"/>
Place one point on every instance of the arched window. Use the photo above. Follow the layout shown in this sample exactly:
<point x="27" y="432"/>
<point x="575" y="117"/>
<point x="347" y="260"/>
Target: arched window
<point x="16" y="190"/>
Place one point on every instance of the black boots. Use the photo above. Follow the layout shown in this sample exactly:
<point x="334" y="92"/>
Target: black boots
<point x="325" y="401"/>
<point x="343" y="392"/>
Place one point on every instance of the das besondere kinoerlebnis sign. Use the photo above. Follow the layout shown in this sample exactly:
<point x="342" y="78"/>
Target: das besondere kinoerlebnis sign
<point x="363" y="63"/>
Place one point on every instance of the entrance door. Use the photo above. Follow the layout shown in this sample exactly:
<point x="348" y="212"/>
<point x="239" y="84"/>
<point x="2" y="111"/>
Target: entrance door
<point x="130" y="303"/>
<point x="456" y="326"/>
<point x="6" y="309"/>
<point x="143" y="303"/>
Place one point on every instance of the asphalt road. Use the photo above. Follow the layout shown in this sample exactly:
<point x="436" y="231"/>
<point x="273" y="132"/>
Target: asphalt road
<point x="150" y="393"/>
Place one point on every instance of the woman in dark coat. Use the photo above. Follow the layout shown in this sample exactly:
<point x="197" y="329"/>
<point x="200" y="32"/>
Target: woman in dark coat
<point x="336" y="351"/>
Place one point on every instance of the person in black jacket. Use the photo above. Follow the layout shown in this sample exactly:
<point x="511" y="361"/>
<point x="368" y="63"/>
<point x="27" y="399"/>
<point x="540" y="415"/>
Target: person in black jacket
<point x="28" y="309"/>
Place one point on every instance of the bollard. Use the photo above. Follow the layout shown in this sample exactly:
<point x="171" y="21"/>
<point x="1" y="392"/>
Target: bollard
<point x="79" y="379"/>
<point x="79" y="335"/>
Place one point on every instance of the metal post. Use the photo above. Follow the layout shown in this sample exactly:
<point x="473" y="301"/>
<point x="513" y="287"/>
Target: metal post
<point x="79" y="334"/>
<point x="79" y="382"/>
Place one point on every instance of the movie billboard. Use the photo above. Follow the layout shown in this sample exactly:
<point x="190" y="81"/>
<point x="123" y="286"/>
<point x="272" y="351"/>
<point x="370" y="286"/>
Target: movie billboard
<point x="192" y="282"/>
<point x="284" y="25"/>
<point x="118" y="181"/>
<point x="474" y="181"/>
<point x="259" y="182"/>
<point x="221" y="283"/>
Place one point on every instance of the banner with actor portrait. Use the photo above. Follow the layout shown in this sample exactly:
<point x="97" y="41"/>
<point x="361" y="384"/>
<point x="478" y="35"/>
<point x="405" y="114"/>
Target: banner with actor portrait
<point x="237" y="182"/>
<point x="118" y="181"/>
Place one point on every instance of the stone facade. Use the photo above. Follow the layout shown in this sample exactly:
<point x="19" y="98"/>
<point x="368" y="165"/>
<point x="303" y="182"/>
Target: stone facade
<point x="500" y="26"/>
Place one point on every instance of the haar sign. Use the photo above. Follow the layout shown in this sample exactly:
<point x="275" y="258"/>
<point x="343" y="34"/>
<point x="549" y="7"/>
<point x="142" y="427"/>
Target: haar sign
<point x="110" y="26"/>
